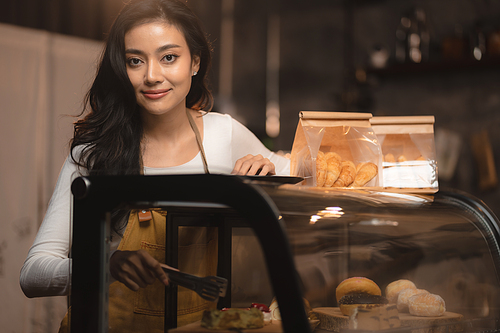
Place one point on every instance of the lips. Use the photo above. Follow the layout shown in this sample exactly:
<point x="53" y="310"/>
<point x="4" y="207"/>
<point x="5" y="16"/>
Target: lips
<point x="155" y="94"/>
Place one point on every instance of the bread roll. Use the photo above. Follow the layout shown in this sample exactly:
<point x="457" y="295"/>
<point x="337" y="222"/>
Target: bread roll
<point x="392" y="290"/>
<point x="404" y="295"/>
<point x="357" y="285"/>
<point x="349" y="302"/>
<point x="347" y="174"/>
<point x="320" y="169"/>
<point x="333" y="165"/>
<point x="426" y="305"/>
<point x="366" y="172"/>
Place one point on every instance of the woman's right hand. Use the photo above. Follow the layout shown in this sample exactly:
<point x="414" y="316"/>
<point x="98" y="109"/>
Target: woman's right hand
<point x="136" y="269"/>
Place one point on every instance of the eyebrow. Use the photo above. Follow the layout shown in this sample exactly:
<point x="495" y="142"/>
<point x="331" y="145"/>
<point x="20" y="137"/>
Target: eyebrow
<point x="158" y="50"/>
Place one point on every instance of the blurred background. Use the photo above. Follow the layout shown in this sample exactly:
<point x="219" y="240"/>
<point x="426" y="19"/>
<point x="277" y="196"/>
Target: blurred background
<point x="272" y="59"/>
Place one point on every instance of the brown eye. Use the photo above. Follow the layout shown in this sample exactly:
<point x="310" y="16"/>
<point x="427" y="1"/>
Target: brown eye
<point x="170" y="57"/>
<point x="133" y="62"/>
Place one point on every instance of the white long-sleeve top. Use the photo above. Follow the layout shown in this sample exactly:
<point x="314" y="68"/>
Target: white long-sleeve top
<point x="47" y="268"/>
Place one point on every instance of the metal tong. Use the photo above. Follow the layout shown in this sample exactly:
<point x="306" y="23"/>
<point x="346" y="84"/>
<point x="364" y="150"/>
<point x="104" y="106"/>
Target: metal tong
<point x="209" y="287"/>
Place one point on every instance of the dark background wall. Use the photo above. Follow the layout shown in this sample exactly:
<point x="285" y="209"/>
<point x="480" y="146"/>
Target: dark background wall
<point x="324" y="54"/>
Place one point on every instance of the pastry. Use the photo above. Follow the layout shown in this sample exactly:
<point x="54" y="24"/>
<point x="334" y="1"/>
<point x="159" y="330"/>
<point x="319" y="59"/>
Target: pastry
<point x="347" y="174"/>
<point x="265" y="311"/>
<point x="404" y="295"/>
<point x="389" y="158"/>
<point x="402" y="158"/>
<point x="426" y="305"/>
<point x="365" y="173"/>
<point x="357" y="285"/>
<point x="333" y="165"/>
<point x="275" y="311"/>
<point x="392" y="290"/>
<point x="349" y="302"/>
<point x="234" y="319"/>
<point x="320" y="169"/>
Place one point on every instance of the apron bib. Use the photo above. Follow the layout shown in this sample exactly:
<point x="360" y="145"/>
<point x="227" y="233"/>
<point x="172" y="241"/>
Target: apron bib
<point x="144" y="310"/>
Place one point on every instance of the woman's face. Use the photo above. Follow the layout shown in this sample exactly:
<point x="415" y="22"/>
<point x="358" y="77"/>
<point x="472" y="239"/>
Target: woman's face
<point x="159" y="66"/>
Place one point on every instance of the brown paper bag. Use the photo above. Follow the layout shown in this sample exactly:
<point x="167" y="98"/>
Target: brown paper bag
<point x="409" y="155"/>
<point x="347" y="134"/>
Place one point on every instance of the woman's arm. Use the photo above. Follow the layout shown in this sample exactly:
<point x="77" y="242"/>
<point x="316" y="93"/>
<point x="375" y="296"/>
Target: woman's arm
<point x="247" y="148"/>
<point x="46" y="270"/>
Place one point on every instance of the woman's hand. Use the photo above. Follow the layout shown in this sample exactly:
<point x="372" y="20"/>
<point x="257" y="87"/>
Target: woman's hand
<point x="136" y="269"/>
<point x="253" y="165"/>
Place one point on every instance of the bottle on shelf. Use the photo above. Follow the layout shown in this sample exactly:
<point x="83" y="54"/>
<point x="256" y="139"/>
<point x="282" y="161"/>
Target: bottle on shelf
<point x="418" y="37"/>
<point x="401" y="39"/>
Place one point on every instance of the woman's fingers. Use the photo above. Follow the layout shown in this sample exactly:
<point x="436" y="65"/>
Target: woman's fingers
<point x="253" y="165"/>
<point x="136" y="269"/>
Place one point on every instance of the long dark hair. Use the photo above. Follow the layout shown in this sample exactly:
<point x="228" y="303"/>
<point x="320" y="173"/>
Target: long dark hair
<point x="110" y="134"/>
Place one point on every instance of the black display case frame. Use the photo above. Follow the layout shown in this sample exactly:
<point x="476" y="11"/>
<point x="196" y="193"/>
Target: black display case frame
<point x="95" y="197"/>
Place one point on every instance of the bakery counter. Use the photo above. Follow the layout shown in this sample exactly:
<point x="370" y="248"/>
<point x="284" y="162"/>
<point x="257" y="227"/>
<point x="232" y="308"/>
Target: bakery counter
<point x="297" y="244"/>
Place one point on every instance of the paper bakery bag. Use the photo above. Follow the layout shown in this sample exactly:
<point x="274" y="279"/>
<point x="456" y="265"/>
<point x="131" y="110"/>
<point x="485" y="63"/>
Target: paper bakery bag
<point x="336" y="149"/>
<point x="409" y="155"/>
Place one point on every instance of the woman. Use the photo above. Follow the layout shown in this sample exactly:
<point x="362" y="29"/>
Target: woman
<point x="146" y="117"/>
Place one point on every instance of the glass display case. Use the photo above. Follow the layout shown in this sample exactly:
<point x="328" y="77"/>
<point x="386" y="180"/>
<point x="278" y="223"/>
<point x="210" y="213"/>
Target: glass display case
<point x="279" y="240"/>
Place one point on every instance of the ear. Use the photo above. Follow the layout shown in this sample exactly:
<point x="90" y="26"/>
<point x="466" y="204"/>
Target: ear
<point x="195" y="64"/>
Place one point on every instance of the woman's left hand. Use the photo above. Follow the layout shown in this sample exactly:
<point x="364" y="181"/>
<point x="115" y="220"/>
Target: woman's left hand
<point x="253" y="165"/>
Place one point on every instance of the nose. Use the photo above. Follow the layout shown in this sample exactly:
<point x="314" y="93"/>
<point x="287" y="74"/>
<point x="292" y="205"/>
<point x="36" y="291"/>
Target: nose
<point x="154" y="73"/>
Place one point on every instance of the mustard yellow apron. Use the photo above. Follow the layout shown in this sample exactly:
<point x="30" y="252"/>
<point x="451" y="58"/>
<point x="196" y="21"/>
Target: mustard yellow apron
<point x="144" y="310"/>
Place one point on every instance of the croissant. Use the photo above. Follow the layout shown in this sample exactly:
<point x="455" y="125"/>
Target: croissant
<point x="333" y="162"/>
<point x="320" y="169"/>
<point x="389" y="158"/>
<point x="347" y="174"/>
<point x="365" y="173"/>
<point x="402" y="158"/>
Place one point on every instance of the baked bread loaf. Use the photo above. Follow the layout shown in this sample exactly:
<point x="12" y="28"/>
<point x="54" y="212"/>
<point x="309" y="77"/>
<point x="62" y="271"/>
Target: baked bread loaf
<point x="347" y="174"/>
<point x="426" y="305"/>
<point x="394" y="288"/>
<point x="365" y="172"/>
<point x="404" y="295"/>
<point x="349" y="302"/>
<point x="333" y="168"/>
<point x="357" y="285"/>
<point x="232" y="319"/>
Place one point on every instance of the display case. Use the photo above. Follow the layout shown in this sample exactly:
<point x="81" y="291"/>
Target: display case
<point x="276" y="239"/>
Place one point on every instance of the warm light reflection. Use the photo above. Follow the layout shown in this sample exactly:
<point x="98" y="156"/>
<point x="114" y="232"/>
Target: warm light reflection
<point x="314" y="219"/>
<point x="379" y="222"/>
<point x="330" y="212"/>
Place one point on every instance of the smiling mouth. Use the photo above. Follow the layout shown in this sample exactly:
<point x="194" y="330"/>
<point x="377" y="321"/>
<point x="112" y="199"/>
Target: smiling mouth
<point x="155" y="94"/>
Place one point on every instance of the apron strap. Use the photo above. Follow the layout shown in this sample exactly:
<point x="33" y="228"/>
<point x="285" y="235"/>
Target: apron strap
<point x="198" y="140"/>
